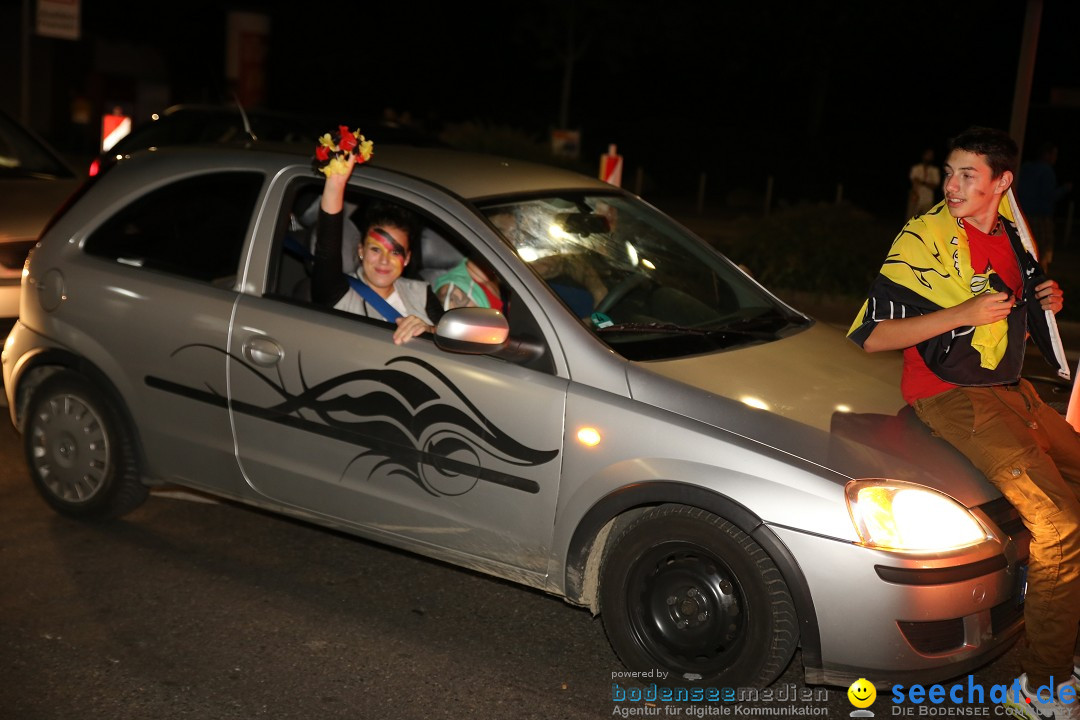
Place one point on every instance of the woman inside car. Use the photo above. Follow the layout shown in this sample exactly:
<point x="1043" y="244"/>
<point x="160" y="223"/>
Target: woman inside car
<point x="375" y="289"/>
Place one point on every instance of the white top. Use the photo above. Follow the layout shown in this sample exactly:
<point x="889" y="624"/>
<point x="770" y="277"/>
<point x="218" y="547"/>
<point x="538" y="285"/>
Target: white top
<point x="924" y="196"/>
<point x="409" y="298"/>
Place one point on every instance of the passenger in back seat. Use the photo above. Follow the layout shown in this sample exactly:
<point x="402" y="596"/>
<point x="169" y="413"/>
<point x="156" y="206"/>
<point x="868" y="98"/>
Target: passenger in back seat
<point x="469" y="284"/>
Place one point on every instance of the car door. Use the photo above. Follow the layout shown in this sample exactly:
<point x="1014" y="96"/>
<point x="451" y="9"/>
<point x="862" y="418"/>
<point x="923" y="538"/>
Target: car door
<point x="157" y="282"/>
<point x="455" y="455"/>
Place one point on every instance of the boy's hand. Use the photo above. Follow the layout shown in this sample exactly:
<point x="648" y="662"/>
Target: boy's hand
<point x="984" y="309"/>
<point x="1050" y="296"/>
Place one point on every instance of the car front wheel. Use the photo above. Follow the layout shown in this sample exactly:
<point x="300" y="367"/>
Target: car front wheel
<point x="687" y="592"/>
<point x="79" y="452"/>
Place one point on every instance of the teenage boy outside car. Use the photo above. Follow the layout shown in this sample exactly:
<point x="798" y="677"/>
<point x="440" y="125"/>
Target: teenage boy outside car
<point x="958" y="294"/>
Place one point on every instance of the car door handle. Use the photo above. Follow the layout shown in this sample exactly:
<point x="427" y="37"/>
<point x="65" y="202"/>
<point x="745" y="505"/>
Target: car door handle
<point x="263" y="351"/>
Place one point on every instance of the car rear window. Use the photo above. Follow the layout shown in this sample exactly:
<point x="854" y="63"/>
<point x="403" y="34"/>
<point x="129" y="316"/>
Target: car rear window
<point x="195" y="227"/>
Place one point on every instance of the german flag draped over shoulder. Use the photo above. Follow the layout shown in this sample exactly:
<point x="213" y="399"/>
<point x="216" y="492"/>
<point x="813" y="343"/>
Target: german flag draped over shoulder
<point x="928" y="268"/>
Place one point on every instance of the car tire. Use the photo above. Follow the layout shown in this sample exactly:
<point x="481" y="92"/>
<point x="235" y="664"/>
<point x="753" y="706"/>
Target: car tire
<point x="79" y="451"/>
<point x="688" y="592"/>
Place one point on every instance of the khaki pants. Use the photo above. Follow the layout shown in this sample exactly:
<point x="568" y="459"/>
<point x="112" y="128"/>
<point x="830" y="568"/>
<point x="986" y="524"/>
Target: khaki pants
<point x="1028" y="451"/>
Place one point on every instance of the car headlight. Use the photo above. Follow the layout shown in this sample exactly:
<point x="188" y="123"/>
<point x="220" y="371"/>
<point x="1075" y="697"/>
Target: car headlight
<point x="896" y="515"/>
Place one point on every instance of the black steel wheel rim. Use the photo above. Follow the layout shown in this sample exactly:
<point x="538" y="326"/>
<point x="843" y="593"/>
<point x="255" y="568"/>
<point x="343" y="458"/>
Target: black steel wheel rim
<point x="687" y="609"/>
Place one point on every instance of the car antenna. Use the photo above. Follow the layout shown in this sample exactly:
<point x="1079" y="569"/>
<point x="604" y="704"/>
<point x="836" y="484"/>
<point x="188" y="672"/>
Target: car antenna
<point x="243" y="115"/>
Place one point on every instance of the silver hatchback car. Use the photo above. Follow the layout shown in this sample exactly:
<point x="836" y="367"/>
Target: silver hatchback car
<point x="643" y="430"/>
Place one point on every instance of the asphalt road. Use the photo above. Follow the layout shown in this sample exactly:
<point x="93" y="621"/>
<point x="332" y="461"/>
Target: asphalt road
<point x="193" y="609"/>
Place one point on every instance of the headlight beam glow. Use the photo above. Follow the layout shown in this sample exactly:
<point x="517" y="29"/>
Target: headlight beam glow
<point x="895" y="515"/>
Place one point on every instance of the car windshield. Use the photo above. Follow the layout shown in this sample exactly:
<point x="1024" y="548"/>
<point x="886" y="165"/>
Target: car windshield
<point x="640" y="282"/>
<point x="22" y="155"/>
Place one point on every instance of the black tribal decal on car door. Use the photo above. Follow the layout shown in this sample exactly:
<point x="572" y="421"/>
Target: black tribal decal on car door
<point x="402" y="418"/>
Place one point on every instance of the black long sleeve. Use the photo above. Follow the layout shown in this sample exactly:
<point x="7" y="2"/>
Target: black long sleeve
<point x="328" y="282"/>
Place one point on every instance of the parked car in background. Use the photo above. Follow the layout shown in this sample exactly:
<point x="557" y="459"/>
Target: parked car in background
<point x="644" y="430"/>
<point x="201" y="124"/>
<point x="34" y="181"/>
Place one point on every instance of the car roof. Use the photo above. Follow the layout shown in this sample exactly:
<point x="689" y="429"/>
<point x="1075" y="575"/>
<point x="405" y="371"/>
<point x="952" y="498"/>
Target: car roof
<point x="472" y="176"/>
<point x="476" y="176"/>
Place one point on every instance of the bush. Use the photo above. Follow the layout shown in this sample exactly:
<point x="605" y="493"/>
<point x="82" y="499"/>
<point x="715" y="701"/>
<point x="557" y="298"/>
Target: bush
<point x="825" y="249"/>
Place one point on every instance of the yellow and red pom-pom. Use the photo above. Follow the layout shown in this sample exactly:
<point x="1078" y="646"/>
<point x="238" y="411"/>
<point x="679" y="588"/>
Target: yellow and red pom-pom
<point x="333" y="151"/>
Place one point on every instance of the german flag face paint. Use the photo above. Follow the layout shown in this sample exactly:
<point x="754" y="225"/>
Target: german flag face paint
<point x="384" y="256"/>
<point x="387" y="240"/>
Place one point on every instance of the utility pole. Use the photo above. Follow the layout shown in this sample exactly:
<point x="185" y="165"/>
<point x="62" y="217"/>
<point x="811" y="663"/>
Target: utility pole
<point x="1025" y="70"/>
<point x="24" y="79"/>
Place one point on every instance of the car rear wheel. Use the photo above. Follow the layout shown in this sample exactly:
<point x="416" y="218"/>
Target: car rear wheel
<point x="80" y="453"/>
<point x="686" y="591"/>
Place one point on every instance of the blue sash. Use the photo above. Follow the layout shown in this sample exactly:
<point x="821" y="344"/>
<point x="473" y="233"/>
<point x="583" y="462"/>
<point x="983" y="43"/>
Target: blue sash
<point x="388" y="311"/>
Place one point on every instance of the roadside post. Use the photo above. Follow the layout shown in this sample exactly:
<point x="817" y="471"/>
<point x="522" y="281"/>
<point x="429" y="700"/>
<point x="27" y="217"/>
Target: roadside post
<point x="611" y="166"/>
<point x="114" y="126"/>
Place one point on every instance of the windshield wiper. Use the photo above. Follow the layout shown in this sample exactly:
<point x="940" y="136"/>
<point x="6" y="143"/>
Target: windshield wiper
<point x="655" y="327"/>
<point x="766" y="324"/>
<point x="673" y="329"/>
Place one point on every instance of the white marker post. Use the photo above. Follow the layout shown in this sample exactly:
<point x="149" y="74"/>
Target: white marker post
<point x="113" y="127"/>
<point x="611" y="166"/>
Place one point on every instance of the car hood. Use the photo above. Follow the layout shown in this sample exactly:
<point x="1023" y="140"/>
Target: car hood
<point x="26" y="204"/>
<point x="817" y="396"/>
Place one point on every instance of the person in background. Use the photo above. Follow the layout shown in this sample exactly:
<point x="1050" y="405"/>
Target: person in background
<point x="468" y="284"/>
<point x="925" y="180"/>
<point x="1038" y="193"/>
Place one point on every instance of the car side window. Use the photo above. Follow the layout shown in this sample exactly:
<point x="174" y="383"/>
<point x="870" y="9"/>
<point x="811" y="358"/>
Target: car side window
<point x="293" y="259"/>
<point x="195" y="228"/>
<point x="438" y="252"/>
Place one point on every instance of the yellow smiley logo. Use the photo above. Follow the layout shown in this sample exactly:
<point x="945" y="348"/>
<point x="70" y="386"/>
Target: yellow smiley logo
<point x="862" y="693"/>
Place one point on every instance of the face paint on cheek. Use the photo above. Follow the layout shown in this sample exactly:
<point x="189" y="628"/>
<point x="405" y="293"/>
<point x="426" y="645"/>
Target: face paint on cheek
<point x="376" y="256"/>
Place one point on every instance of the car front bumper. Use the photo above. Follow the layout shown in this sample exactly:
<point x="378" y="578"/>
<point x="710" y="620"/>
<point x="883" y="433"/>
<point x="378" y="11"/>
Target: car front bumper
<point x="891" y="618"/>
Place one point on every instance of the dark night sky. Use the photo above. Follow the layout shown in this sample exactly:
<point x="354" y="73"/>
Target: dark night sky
<point x="837" y="91"/>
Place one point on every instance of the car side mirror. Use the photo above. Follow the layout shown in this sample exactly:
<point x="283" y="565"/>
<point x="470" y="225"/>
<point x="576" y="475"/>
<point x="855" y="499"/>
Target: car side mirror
<point x="472" y="330"/>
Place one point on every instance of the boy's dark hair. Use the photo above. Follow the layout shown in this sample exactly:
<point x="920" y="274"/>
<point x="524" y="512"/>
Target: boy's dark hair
<point x="381" y="213"/>
<point x="996" y="146"/>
